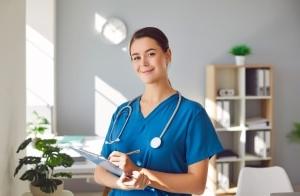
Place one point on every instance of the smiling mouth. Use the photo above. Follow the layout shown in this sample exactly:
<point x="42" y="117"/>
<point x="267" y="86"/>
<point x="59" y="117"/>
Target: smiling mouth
<point x="147" y="71"/>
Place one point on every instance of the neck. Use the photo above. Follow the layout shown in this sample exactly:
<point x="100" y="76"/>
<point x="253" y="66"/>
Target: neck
<point x="157" y="91"/>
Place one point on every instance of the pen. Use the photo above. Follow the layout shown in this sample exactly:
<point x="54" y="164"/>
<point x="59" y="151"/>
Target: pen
<point x="133" y="152"/>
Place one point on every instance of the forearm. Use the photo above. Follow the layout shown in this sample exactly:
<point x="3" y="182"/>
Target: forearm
<point x="105" y="178"/>
<point x="177" y="183"/>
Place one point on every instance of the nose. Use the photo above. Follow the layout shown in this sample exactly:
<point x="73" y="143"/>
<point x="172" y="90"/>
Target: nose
<point x="144" y="61"/>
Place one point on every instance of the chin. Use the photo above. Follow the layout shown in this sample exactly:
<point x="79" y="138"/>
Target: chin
<point x="148" y="80"/>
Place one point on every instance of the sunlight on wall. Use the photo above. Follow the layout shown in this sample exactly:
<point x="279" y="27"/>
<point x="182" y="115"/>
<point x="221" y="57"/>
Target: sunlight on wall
<point x="99" y="22"/>
<point x="39" y="74"/>
<point x="39" y="69"/>
<point x="106" y="101"/>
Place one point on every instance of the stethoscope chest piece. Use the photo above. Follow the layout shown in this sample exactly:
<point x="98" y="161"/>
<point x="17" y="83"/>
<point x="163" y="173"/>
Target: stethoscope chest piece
<point x="155" y="142"/>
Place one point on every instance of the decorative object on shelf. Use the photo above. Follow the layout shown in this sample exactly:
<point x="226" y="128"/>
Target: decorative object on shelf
<point x="226" y="92"/>
<point x="240" y="51"/>
<point x="47" y="156"/>
<point x="294" y="135"/>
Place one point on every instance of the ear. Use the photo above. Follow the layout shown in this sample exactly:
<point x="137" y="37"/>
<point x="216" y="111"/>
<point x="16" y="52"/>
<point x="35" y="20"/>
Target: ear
<point x="169" y="56"/>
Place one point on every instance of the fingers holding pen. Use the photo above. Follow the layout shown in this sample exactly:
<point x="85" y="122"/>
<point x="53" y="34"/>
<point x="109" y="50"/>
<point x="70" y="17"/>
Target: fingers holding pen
<point x="122" y="161"/>
<point x="119" y="159"/>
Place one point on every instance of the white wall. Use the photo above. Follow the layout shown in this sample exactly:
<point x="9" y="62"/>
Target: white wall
<point x="200" y="33"/>
<point x="12" y="92"/>
<point x="40" y="22"/>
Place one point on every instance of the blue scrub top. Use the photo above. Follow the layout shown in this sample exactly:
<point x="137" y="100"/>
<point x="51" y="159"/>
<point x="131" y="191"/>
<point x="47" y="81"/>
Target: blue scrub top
<point x="190" y="138"/>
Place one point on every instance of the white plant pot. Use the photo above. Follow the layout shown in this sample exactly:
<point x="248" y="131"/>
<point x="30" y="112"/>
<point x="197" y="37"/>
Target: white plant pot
<point x="240" y="60"/>
<point x="36" y="191"/>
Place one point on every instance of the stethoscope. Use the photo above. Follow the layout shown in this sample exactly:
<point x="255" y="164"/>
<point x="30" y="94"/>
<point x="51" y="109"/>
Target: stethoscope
<point x="156" y="141"/>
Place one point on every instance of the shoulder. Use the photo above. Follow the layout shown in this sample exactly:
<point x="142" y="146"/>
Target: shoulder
<point x="191" y="106"/>
<point x="126" y="103"/>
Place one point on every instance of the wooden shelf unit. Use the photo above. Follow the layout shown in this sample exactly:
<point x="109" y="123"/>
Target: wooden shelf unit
<point x="239" y="137"/>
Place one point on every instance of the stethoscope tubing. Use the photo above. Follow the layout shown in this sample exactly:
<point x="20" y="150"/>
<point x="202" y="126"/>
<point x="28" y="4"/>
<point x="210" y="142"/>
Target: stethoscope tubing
<point x="128" y="106"/>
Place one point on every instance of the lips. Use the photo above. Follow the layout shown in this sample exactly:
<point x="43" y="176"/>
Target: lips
<point x="147" y="71"/>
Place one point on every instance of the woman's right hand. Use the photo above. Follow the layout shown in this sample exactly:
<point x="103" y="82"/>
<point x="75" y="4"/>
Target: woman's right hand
<point x="123" y="161"/>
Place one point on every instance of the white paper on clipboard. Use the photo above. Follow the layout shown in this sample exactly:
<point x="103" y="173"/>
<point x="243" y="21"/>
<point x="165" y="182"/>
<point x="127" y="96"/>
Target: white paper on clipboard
<point x="99" y="160"/>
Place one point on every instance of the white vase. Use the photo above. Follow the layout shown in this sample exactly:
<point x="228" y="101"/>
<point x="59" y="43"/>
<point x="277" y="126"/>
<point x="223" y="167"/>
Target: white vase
<point x="36" y="191"/>
<point x="240" y="60"/>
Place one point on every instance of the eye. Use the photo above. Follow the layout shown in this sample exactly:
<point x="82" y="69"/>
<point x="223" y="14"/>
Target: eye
<point x="135" y="58"/>
<point x="151" y="54"/>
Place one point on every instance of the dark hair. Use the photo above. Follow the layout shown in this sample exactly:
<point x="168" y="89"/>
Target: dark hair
<point x="154" y="33"/>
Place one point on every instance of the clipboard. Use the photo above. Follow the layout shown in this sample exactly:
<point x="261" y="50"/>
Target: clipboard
<point x="99" y="160"/>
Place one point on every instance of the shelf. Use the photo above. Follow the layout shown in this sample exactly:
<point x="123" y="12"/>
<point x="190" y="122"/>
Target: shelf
<point x="250" y="157"/>
<point x="258" y="128"/>
<point x="230" y="191"/>
<point x="235" y="128"/>
<point x="228" y="159"/>
<point x="228" y="98"/>
<point x="257" y="97"/>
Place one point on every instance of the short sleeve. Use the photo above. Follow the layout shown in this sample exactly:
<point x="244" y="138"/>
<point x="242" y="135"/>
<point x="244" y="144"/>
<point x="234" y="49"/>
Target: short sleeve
<point x="202" y="141"/>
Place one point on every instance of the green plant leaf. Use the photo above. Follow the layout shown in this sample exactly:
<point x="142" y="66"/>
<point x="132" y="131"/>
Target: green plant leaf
<point x="29" y="175"/>
<point x="48" y="185"/>
<point x="38" y="125"/>
<point x="240" y="50"/>
<point x="294" y="135"/>
<point x="46" y="145"/>
<point x="60" y="159"/>
<point x="34" y="176"/>
<point x="43" y="121"/>
<point x="24" y="144"/>
<point x="26" y="161"/>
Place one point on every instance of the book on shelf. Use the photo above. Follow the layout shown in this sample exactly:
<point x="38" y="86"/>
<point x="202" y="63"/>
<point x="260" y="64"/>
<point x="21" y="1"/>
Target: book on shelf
<point x="258" y="82"/>
<point x="227" y="154"/>
<point x="223" y="113"/>
<point x="258" y="143"/>
<point x="223" y="176"/>
<point x="267" y="80"/>
<point x="257" y="122"/>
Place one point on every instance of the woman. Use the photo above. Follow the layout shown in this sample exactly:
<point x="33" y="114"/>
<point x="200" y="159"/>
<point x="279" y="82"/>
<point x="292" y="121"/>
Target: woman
<point x="173" y="135"/>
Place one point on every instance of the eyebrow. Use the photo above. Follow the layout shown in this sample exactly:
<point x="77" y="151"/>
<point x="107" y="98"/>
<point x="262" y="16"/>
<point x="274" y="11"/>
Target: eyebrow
<point x="150" y="49"/>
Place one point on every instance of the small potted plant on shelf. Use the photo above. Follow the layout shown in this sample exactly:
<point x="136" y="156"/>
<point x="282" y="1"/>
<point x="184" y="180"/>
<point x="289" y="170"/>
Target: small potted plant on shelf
<point x="40" y="168"/>
<point x="240" y="51"/>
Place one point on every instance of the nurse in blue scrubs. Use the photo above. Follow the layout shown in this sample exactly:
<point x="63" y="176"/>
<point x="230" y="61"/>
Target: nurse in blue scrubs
<point x="172" y="135"/>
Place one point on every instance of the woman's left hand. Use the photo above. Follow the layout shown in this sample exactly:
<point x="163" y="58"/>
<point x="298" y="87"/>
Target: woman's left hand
<point x="136" y="181"/>
<point x="123" y="161"/>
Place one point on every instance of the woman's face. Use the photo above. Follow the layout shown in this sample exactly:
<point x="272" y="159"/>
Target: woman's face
<point x="149" y="60"/>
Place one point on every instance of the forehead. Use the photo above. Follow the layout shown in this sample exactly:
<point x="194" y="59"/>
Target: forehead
<point x="141" y="45"/>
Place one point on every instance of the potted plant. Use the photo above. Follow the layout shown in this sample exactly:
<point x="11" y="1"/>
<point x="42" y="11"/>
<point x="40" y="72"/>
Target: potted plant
<point x="240" y="51"/>
<point x="40" y="168"/>
<point x="294" y="135"/>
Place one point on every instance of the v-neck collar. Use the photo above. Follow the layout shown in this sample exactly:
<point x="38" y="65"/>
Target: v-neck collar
<point x="167" y="99"/>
